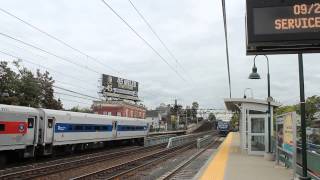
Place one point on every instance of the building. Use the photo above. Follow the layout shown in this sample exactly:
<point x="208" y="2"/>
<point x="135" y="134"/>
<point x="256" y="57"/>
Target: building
<point x="119" y="108"/>
<point x="154" y="118"/>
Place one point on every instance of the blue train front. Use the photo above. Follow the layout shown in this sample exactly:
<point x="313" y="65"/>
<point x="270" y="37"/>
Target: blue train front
<point x="223" y="128"/>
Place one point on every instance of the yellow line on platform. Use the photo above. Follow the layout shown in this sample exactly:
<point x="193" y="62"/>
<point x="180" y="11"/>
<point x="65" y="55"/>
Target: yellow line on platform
<point x="216" y="168"/>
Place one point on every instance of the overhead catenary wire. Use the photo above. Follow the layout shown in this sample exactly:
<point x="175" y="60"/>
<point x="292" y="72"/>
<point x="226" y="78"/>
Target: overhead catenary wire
<point x="144" y="40"/>
<point x="50" y="53"/>
<point x="57" y="39"/>
<point x="42" y="66"/>
<point x="71" y="91"/>
<point x="69" y="100"/>
<point x="158" y="37"/>
<point x="226" y="42"/>
<point x="70" y="95"/>
<point x="48" y="68"/>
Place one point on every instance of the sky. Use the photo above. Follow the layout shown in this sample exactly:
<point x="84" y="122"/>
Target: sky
<point x="191" y="29"/>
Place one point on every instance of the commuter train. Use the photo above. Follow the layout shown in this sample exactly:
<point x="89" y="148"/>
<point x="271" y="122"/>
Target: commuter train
<point x="223" y="128"/>
<point x="34" y="131"/>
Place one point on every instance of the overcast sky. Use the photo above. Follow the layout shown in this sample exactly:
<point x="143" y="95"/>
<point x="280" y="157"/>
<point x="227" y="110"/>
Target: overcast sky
<point x="192" y="30"/>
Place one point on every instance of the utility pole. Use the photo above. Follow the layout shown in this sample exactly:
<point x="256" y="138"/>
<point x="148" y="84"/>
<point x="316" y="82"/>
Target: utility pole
<point x="176" y="106"/>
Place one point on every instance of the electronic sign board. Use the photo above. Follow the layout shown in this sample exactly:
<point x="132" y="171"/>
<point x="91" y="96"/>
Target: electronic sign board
<point x="283" y="26"/>
<point x="119" y="88"/>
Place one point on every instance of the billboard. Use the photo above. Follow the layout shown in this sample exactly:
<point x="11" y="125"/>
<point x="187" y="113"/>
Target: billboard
<point x="117" y="87"/>
<point x="286" y="26"/>
<point x="286" y="128"/>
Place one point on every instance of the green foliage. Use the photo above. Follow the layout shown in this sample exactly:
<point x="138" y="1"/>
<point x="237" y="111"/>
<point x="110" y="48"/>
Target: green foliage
<point x="194" y="109"/>
<point x="46" y="95"/>
<point x="234" y="122"/>
<point x="8" y="85"/>
<point x="25" y="89"/>
<point x="312" y="106"/>
<point x="83" y="110"/>
<point x="212" y="117"/>
<point x="286" y="109"/>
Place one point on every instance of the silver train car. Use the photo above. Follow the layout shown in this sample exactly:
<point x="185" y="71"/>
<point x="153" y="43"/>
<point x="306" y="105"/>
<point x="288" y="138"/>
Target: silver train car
<point x="35" y="131"/>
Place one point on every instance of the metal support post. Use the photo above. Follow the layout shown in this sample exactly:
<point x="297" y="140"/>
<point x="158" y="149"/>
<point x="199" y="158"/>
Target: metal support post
<point x="269" y="113"/>
<point x="303" y="121"/>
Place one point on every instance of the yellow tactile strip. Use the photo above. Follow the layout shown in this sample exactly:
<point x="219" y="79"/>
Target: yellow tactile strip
<point x="216" y="168"/>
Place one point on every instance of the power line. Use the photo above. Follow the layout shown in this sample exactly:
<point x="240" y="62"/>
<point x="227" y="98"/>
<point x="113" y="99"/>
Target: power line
<point x="68" y="100"/>
<point x="81" y="94"/>
<point x="72" y="95"/>
<point x="50" y="53"/>
<point x="145" y="41"/>
<point x="226" y="39"/>
<point x="44" y="67"/>
<point x="158" y="37"/>
<point x="57" y="39"/>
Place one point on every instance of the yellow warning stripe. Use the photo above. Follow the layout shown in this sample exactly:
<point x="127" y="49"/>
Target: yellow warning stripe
<point x="216" y="168"/>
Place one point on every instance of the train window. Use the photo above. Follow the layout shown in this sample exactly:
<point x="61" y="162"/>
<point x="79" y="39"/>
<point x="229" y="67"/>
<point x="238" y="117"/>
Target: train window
<point x="105" y="128"/>
<point x="30" y="122"/>
<point x="50" y="123"/>
<point x="78" y="128"/>
<point x="88" y="128"/>
<point x="97" y="128"/>
<point x="2" y="127"/>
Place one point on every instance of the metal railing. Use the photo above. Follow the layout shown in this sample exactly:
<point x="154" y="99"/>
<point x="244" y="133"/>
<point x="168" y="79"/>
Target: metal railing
<point x="152" y="141"/>
<point x="204" y="141"/>
<point x="180" y="140"/>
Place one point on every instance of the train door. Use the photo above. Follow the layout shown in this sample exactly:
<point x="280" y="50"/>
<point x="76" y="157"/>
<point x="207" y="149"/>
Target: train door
<point x="31" y="136"/>
<point x="50" y="129"/>
<point x="114" y="129"/>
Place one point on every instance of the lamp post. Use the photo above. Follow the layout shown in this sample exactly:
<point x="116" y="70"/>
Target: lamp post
<point x="254" y="75"/>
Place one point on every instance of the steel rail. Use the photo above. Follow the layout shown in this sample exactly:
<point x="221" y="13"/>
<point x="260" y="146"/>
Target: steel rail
<point x="170" y="174"/>
<point x="71" y="164"/>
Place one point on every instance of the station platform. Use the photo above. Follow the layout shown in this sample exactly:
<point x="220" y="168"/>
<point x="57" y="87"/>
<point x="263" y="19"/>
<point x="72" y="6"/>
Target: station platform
<point x="229" y="163"/>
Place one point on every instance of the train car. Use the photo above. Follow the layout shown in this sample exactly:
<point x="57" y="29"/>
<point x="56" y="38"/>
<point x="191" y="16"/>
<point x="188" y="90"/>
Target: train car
<point x="18" y="131"/>
<point x="77" y="131"/>
<point x="223" y="128"/>
<point x="31" y="131"/>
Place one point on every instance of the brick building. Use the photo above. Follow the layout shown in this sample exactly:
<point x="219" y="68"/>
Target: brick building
<point x="119" y="108"/>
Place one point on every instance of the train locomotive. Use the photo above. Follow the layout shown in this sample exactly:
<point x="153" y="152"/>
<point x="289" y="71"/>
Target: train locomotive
<point x="223" y="128"/>
<point x="37" y="132"/>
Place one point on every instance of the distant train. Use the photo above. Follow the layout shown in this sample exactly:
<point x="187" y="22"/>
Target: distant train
<point x="35" y="131"/>
<point x="223" y="128"/>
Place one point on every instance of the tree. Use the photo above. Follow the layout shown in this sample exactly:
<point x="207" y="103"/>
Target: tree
<point x="212" y="117"/>
<point x="28" y="88"/>
<point x="312" y="106"/>
<point x="24" y="89"/>
<point x="46" y="96"/>
<point x="194" y="109"/>
<point x="234" y="122"/>
<point x="8" y="85"/>
<point x="83" y="110"/>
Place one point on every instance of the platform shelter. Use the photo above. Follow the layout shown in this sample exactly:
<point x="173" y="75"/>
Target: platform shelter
<point x="253" y="123"/>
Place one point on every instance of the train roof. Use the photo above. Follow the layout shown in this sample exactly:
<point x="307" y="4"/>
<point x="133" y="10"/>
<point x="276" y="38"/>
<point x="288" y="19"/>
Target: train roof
<point x="80" y="114"/>
<point x="17" y="109"/>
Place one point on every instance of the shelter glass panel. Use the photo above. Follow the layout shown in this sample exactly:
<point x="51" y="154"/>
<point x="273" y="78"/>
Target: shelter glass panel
<point x="257" y="143"/>
<point x="257" y="125"/>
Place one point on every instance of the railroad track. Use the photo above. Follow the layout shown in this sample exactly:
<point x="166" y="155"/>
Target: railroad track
<point x="175" y="171"/>
<point x="50" y="161"/>
<point x="60" y="165"/>
<point x="56" y="166"/>
<point x="130" y="167"/>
